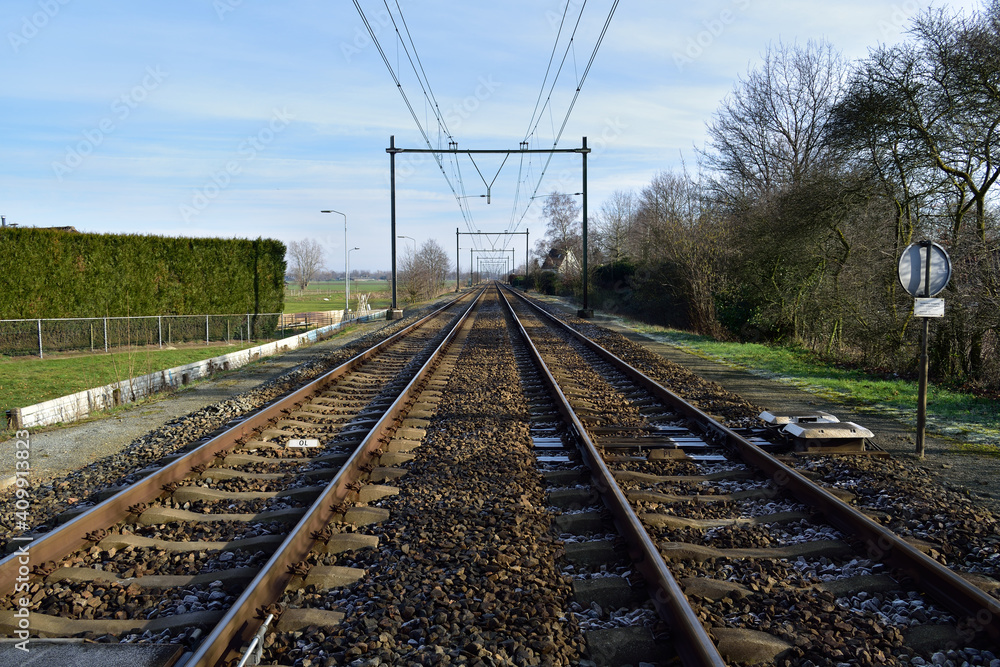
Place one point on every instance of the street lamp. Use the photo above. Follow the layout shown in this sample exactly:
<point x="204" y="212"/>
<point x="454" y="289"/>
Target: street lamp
<point x="414" y="243"/>
<point x="347" y="279"/>
<point x="347" y="301"/>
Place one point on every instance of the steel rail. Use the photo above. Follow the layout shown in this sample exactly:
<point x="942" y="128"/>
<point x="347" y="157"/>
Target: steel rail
<point x="238" y="626"/>
<point x="977" y="611"/>
<point x="71" y="536"/>
<point x="693" y="644"/>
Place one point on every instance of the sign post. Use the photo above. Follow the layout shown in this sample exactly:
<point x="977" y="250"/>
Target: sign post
<point x="924" y="270"/>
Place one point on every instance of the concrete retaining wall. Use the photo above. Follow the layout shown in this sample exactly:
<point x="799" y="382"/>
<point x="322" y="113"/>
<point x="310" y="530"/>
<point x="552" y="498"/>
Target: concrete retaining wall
<point x="82" y="404"/>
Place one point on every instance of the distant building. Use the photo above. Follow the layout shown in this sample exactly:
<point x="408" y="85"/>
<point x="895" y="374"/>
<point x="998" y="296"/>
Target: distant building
<point x="562" y="261"/>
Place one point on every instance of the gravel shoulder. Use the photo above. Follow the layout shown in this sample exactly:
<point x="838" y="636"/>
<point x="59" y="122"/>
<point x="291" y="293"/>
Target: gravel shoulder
<point x="976" y="476"/>
<point x="56" y="451"/>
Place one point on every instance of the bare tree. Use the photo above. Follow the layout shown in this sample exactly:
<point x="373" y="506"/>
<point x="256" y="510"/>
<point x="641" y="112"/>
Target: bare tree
<point x="306" y="259"/>
<point x="926" y="115"/>
<point x="563" y="226"/>
<point x="867" y="126"/>
<point x="423" y="275"/>
<point x="613" y="225"/>
<point x="687" y="246"/>
<point x="436" y="265"/>
<point x="768" y="133"/>
<point x="936" y="102"/>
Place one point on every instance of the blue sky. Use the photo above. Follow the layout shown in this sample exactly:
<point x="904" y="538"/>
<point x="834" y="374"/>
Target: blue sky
<point x="244" y="118"/>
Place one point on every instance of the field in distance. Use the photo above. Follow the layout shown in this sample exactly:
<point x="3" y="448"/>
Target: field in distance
<point x="329" y="295"/>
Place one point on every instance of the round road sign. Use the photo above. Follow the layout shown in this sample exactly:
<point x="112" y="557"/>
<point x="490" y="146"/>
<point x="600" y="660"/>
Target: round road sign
<point x="913" y="269"/>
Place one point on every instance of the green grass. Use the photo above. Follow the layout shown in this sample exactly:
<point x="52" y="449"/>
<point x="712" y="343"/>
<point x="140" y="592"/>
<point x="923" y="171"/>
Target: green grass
<point x="329" y="295"/>
<point x="25" y="382"/>
<point x="973" y="419"/>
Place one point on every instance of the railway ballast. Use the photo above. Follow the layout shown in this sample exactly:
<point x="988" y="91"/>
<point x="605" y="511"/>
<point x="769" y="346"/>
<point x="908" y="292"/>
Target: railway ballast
<point x="497" y="486"/>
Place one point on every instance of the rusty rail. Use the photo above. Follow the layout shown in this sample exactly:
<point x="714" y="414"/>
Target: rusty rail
<point x="977" y="611"/>
<point x="693" y="644"/>
<point x="238" y="625"/>
<point x="71" y="536"/>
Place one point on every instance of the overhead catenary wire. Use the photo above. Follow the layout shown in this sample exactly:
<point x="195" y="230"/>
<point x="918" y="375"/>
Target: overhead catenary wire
<point x="538" y="112"/>
<point x="533" y="125"/>
<point x="548" y="68"/>
<point x="457" y="186"/>
<point x="572" y="104"/>
<point x="431" y="100"/>
<point x="555" y="79"/>
<point x="421" y="75"/>
<point x="466" y="213"/>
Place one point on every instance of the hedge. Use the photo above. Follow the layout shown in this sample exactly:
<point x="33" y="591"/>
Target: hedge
<point x="48" y="273"/>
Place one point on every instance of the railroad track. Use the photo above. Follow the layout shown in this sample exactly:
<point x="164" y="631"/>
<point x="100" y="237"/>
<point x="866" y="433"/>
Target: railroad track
<point x="773" y="565"/>
<point x="213" y="537"/>
<point x="554" y="509"/>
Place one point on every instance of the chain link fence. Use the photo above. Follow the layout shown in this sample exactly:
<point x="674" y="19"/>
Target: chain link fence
<point x="97" y="334"/>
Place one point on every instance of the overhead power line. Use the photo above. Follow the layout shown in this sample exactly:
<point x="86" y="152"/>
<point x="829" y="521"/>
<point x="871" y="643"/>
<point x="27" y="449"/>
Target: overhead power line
<point x="466" y="213"/>
<point x="572" y="104"/>
<point x="524" y="173"/>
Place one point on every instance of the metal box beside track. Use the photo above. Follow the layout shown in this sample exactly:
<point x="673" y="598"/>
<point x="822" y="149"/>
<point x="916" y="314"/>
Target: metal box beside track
<point x="819" y="416"/>
<point x="817" y="432"/>
<point x="819" y="437"/>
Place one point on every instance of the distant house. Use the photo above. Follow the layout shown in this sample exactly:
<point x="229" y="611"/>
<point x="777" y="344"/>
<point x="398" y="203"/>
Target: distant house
<point x="562" y="261"/>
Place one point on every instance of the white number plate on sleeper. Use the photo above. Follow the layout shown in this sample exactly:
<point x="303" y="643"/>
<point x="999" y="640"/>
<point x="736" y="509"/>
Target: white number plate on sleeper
<point x="305" y="442"/>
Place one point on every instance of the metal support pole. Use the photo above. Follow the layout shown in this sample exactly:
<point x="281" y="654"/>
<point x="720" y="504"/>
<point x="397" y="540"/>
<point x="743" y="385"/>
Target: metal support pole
<point x="40" y="354"/>
<point x="347" y="274"/>
<point x="159" y="329"/>
<point x="458" y="261"/>
<point x="471" y="276"/>
<point x="248" y="328"/>
<point x="392" y="150"/>
<point x="922" y="391"/>
<point x="206" y="330"/>
<point x="525" y="259"/>
<point x="105" y="334"/>
<point x="585" y="311"/>
<point x="924" y="359"/>
<point x="453" y="148"/>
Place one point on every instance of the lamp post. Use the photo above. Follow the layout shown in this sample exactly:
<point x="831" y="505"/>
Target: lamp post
<point x="347" y="300"/>
<point x="347" y="279"/>
<point x="414" y="243"/>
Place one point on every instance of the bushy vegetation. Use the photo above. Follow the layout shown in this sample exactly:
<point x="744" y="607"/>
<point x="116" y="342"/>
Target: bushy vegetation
<point x="47" y="273"/>
<point x="817" y="174"/>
